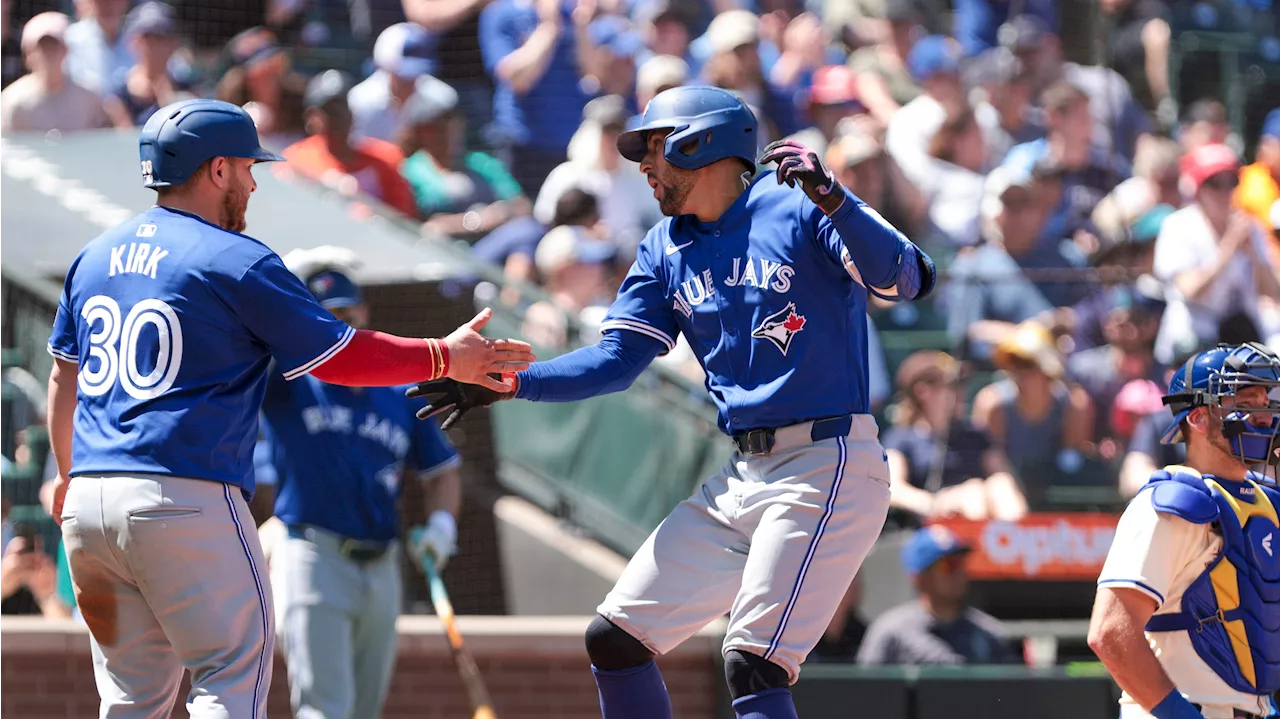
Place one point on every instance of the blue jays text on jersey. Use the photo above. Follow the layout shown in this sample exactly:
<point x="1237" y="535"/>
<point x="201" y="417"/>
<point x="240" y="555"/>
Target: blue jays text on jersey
<point x="339" y="452"/>
<point x="172" y="321"/>
<point x="769" y="301"/>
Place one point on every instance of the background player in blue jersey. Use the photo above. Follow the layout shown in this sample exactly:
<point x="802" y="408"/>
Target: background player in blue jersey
<point x="162" y="339"/>
<point x="339" y="454"/>
<point x="770" y="287"/>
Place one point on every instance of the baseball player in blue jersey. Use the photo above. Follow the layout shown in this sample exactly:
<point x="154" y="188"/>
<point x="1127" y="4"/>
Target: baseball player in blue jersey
<point x="1188" y="602"/>
<point x="161" y="342"/>
<point x="770" y="287"/>
<point x="339" y="454"/>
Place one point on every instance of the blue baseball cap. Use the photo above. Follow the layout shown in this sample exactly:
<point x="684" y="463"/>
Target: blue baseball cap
<point x="150" y="18"/>
<point x="1271" y="125"/>
<point x="933" y="55"/>
<point x="928" y="545"/>
<point x="406" y="50"/>
<point x="334" y="290"/>
<point x="614" y="34"/>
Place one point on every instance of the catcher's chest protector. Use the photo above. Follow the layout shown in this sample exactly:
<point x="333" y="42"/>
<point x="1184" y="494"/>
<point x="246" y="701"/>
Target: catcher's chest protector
<point x="1232" y="610"/>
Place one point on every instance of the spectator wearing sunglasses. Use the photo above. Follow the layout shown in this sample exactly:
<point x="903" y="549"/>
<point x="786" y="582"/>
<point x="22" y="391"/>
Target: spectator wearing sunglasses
<point x="1212" y="259"/>
<point x="938" y="626"/>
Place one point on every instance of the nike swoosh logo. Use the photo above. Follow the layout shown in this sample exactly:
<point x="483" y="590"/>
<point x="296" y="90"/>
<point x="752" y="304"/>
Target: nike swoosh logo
<point x="672" y="249"/>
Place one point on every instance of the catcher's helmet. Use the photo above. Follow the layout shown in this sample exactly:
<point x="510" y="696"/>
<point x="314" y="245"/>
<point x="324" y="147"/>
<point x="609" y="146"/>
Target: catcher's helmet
<point x="707" y="124"/>
<point x="1209" y="377"/>
<point x="181" y="136"/>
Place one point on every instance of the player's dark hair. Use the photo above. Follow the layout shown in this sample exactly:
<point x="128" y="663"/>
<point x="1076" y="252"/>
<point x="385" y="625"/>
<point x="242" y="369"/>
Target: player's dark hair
<point x="185" y="186"/>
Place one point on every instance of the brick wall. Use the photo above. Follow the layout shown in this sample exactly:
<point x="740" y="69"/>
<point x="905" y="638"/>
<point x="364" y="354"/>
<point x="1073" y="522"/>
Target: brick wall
<point x="534" y="667"/>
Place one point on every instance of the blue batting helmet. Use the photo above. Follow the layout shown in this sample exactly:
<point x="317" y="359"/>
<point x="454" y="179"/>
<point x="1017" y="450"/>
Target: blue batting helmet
<point x="1209" y="377"/>
<point x="707" y="124"/>
<point x="178" y="138"/>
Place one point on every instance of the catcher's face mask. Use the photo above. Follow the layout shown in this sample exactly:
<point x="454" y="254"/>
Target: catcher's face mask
<point x="1246" y="395"/>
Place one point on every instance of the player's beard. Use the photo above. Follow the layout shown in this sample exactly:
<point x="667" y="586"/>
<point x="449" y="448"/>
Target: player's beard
<point x="676" y="185"/>
<point x="234" y="204"/>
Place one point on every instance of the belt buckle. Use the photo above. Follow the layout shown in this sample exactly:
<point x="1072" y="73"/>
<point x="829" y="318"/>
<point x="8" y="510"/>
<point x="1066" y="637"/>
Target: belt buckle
<point x="359" y="551"/>
<point x="756" y="442"/>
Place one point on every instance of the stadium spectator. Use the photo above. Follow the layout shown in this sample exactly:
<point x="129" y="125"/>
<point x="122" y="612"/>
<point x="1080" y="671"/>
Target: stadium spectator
<point x="46" y="99"/>
<point x="538" y="101"/>
<point x="1147" y="450"/>
<point x="460" y="193"/>
<point x="1205" y="122"/>
<point x="1154" y="183"/>
<point x="1138" y="48"/>
<point x="11" y="64"/>
<point x="1118" y="120"/>
<point x="840" y="642"/>
<point x="940" y="465"/>
<point x="858" y="160"/>
<point x="627" y="206"/>
<point x="977" y="22"/>
<point x="1043" y="424"/>
<point x="513" y="245"/>
<point x="456" y="25"/>
<point x="259" y="79"/>
<point x="575" y="268"/>
<point x="658" y="73"/>
<point x="609" y="53"/>
<point x="1259" y="190"/>
<point x="97" y="48"/>
<point x="1001" y="85"/>
<point x="150" y="84"/>
<point x="956" y="177"/>
<point x="884" y="83"/>
<point x="804" y="49"/>
<point x="666" y="26"/>
<point x="1213" y="261"/>
<point x="831" y="99"/>
<point x="734" y="64"/>
<point x="329" y="155"/>
<point x="402" y="60"/>
<point x="28" y="576"/>
<point x="938" y="626"/>
<point x="1130" y="332"/>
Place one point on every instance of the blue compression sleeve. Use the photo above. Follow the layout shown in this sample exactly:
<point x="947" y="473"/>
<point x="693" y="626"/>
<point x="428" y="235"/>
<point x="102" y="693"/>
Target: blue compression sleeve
<point x="882" y="254"/>
<point x="1175" y="706"/>
<point x="608" y="366"/>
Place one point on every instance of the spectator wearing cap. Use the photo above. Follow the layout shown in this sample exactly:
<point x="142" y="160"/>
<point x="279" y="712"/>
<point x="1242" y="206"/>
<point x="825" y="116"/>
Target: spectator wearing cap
<point x="1129" y="329"/>
<point x="857" y="158"/>
<point x="1002" y="83"/>
<point x="610" y="48"/>
<point x="331" y="157"/>
<point x="1204" y="122"/>
<point x="46" y="99"/>
<point x="1118" y="119"/>
<point x="150" y="84"/>
<point x="460" y="193"/>
<point x="531" y="53"/>
<point x="734" y="63"/>
<point x="666" y="27"/>
<point x="884" y="83"/>
<point x="658" y="73"/>
<point x="259" y="78"/>
<point x="403" y="58"/>
<point x="1043" y="424"/>
<point x="1138" y="48"/>
<point x="574" y="265"/>
<point x="1259" y="190"/>
<point x="938" y="626"/>
<point x="595" y="165"/>
<point x="832" y="97"/>
<point x="97" y="49"/>
<point x="940" y="465"/>
<point x="1213" y="261"/>
<point x="1154" y="183"/>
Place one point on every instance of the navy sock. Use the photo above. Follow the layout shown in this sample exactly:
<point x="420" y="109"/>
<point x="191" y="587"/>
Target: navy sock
<point x="635" y="693"/>
<point x="768" y="704"/>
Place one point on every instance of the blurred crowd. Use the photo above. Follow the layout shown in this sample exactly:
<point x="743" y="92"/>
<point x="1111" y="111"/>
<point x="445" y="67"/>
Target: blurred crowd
<point x="1097" y="215"/>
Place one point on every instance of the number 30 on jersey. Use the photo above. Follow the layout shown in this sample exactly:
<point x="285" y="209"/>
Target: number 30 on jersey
<point x="116" y="345"/>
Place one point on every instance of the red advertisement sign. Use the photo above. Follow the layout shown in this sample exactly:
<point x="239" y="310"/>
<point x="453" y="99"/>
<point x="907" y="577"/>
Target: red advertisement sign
<point x="1040" y="546"/>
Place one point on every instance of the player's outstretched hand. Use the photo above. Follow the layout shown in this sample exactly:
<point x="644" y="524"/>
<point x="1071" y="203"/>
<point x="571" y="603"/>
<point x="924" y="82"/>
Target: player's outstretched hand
<point x="474" y="358"/>
<point x="454" y="397"/>
<point x="800" y="165"/>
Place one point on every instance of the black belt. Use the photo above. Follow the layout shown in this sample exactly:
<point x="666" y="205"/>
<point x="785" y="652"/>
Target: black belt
<point x="360" y="551"/>
<point x="1239" y="713"/>
<point x="760" y="441"/>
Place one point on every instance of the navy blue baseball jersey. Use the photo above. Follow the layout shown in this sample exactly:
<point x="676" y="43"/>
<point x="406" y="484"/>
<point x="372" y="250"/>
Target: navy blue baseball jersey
<point x="338" y="454"/>
<point x="173" y="322"/>
<point x="768" y="300"/>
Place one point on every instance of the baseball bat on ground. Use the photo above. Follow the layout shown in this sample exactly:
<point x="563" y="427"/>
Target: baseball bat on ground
<point x="472" y="681"/>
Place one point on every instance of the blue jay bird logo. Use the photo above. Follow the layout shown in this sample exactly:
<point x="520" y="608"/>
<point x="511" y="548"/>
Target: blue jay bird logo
<point x="780" y="327"/>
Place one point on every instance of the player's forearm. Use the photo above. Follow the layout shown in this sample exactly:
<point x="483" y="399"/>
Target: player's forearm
<point x="1116" y="635"/>
<point x="376" y="359"/>
<point x="445" y="494"/>
<point x="885" y="258"/>
<point x="61" y="412"/>
<point x="608" y="366"/>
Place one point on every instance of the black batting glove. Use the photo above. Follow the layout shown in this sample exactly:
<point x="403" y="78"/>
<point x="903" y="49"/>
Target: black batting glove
<point x="457" y="398"/>
<point x="799" y="165"/>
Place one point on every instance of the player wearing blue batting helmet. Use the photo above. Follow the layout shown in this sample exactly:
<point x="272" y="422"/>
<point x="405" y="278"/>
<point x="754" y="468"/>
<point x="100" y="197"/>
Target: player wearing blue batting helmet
<point x="705" y="124"/>
<point x="1218" y="379"/>
<point x="184" y="135"/>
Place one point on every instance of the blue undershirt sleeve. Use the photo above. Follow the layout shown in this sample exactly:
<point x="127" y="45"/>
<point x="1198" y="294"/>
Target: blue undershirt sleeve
<point x="610" y="365"/>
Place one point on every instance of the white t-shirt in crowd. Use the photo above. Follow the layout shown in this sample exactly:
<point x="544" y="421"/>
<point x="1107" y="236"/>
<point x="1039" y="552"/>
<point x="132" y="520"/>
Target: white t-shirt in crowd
<point x="27" y="105"/>
<point x="626" y="201"/>
<point x="1160" y="555"/>
<point x="912" y="128"/>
